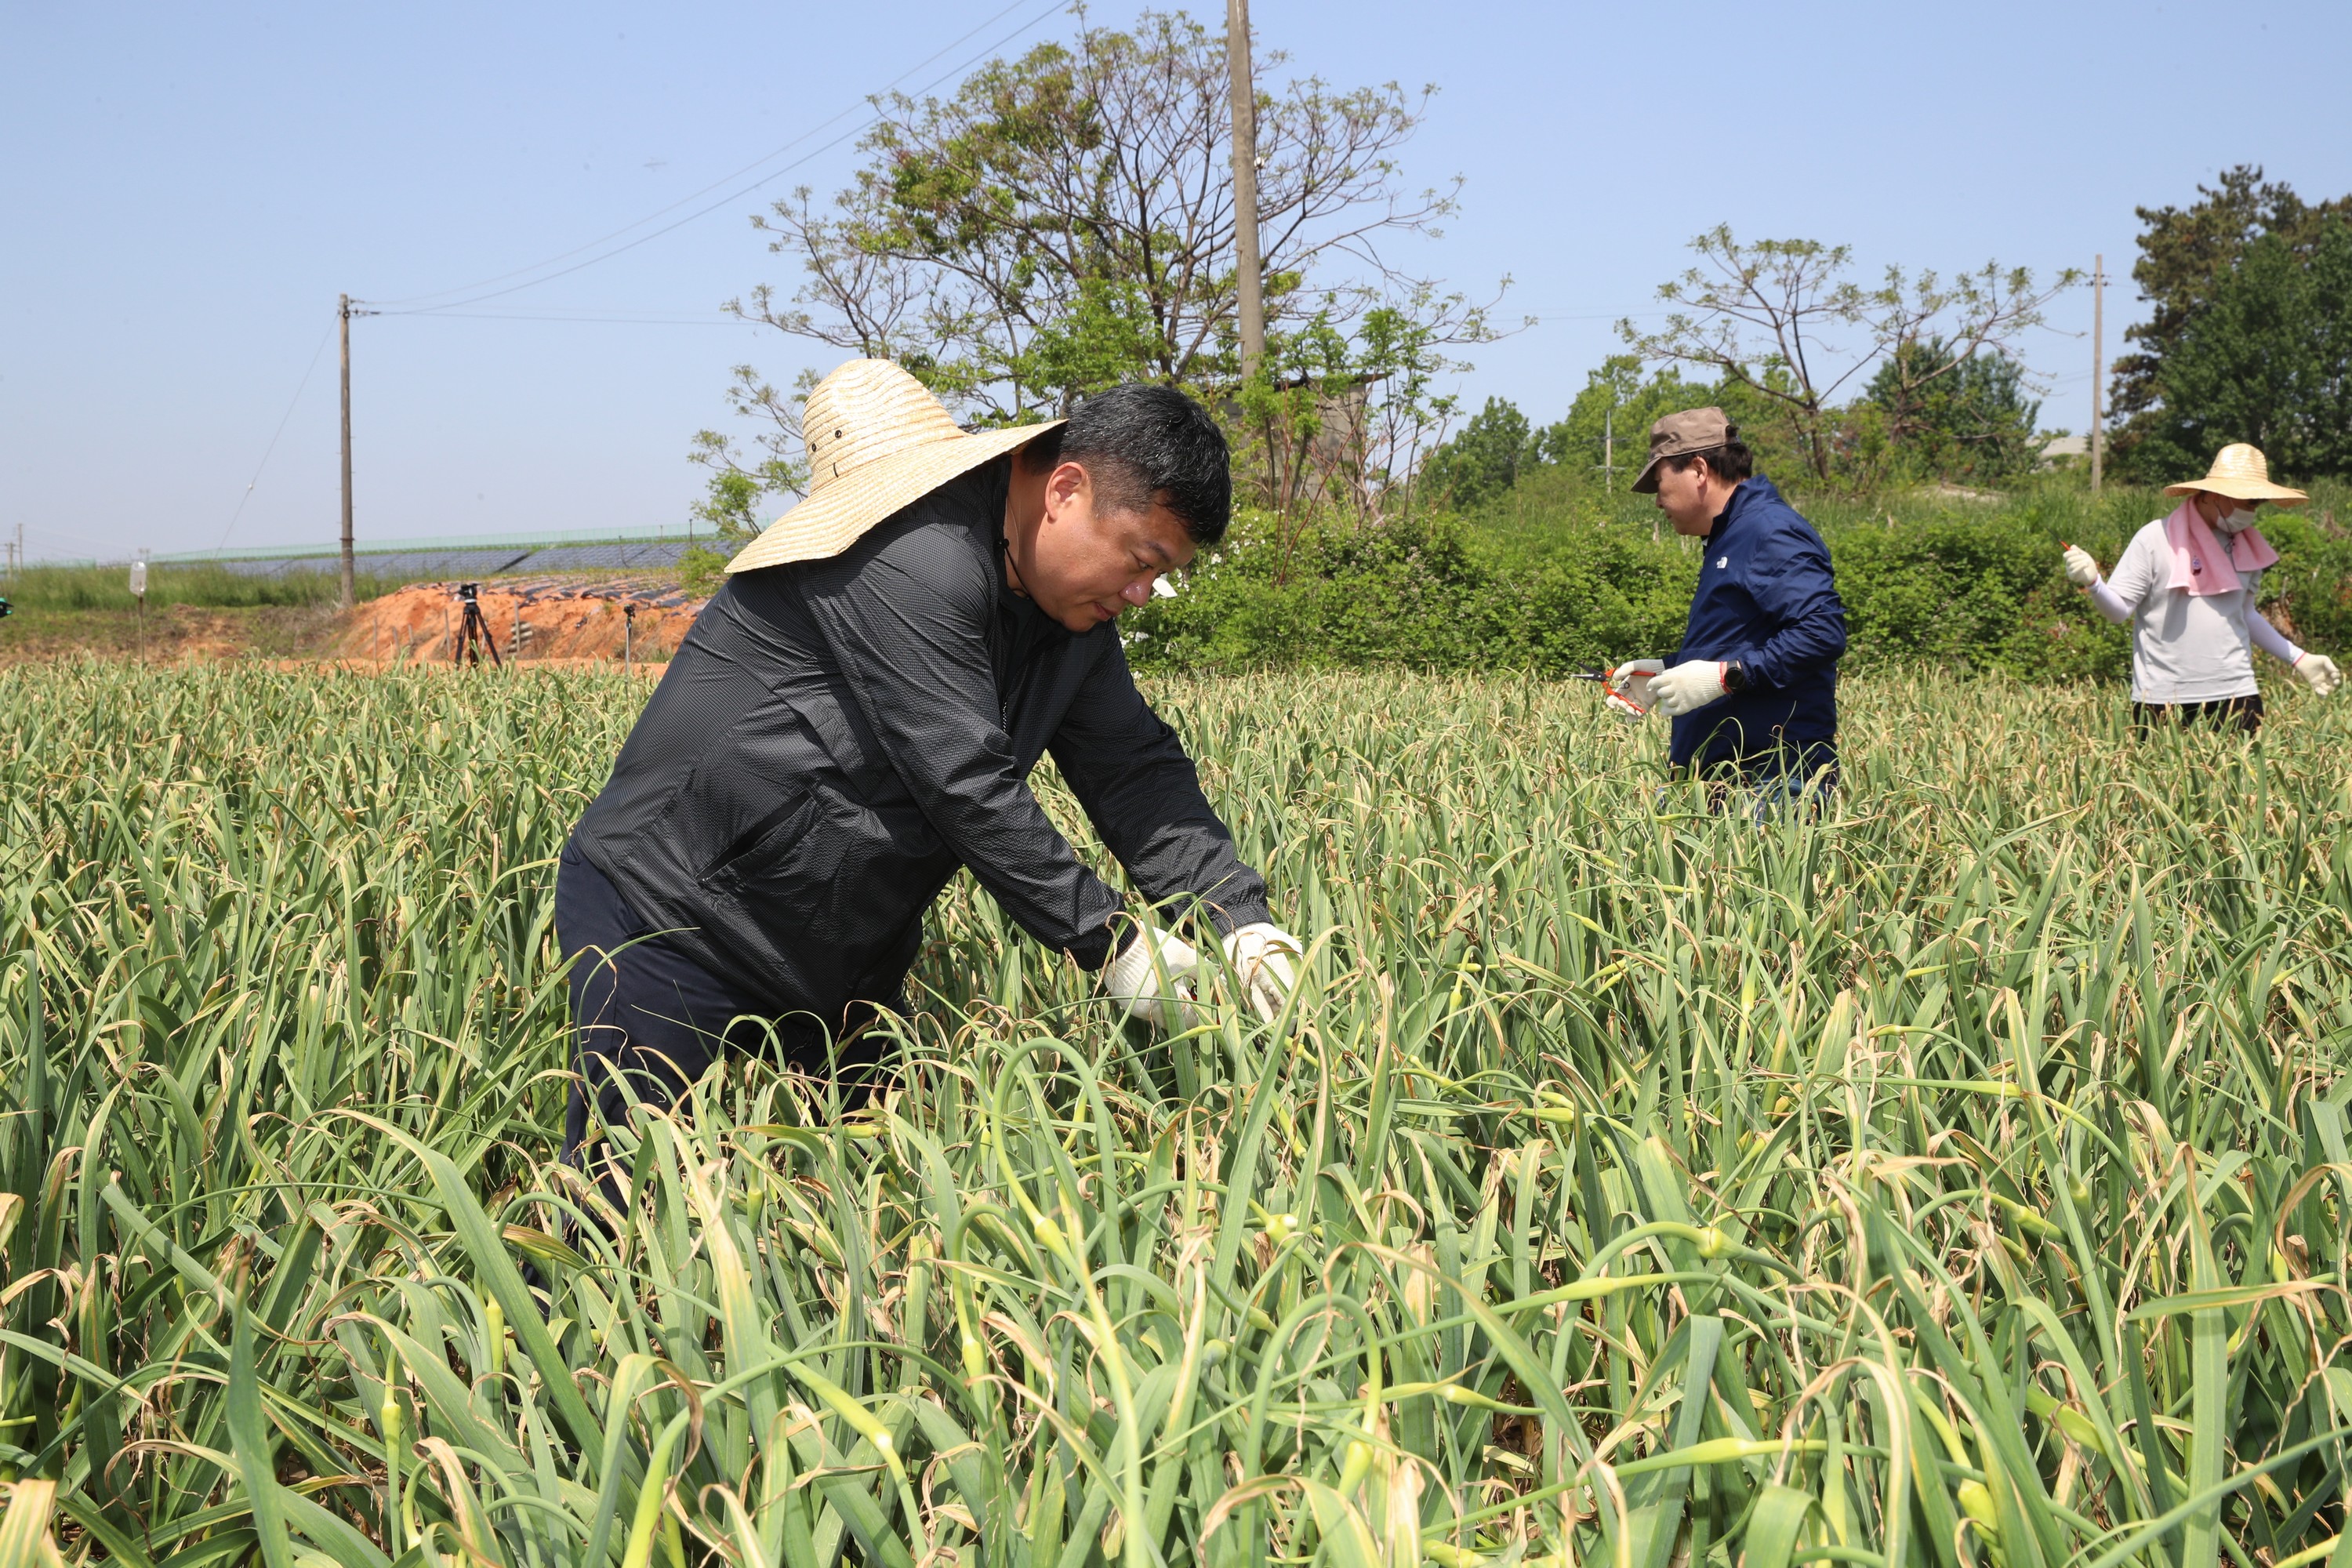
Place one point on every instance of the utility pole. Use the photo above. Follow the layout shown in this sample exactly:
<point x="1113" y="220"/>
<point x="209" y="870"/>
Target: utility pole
<point x="344" y="310"/>
<point x="2098" y="365"/>
<point x="1246" y="261"/>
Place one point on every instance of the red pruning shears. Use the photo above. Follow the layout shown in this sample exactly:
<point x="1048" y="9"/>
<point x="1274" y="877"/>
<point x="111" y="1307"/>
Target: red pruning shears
<point x="1629" y="698"/>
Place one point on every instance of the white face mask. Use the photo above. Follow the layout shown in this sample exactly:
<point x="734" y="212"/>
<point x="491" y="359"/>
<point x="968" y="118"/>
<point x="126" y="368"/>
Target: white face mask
<point x="2236" y="522"/>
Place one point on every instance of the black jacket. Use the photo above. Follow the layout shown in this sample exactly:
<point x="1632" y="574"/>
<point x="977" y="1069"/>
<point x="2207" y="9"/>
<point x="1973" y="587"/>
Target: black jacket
<point x="834" y="737"/>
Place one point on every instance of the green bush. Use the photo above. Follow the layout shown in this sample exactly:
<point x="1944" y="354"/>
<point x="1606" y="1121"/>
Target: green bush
<point x="1427" y="591"/>
<point x="1970" y="594"/>
<point x="1556" y="576"/>
<point x="2309" y="592"/>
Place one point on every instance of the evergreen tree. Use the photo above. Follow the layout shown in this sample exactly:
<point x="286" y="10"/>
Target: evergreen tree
<point x="2185" y="254"/>
<point x="2267" y="358"/>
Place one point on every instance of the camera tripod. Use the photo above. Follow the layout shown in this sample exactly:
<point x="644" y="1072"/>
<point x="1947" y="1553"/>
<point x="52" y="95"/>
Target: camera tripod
<point x="473" y="631"/>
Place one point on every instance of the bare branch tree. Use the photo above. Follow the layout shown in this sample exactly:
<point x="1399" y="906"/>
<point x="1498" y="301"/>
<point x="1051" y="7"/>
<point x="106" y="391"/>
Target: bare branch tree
<point x="1928" y="330"/>
<point x="1767" y="316"/>
<point x="1761" y="309"/>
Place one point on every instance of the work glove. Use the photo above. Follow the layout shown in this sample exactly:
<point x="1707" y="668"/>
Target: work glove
<point x="1135" y="986"/>
<point x="1265" y="959"/>
<point x="2318" y="671"/>
<point x="1628" y="686"/>
<point x="1687" y="688"/>
<point x="2081" y="570"/>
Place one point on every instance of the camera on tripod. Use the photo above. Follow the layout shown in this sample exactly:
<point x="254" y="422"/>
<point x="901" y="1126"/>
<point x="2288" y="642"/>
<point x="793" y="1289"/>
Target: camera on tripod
<point x="473" y="631"/>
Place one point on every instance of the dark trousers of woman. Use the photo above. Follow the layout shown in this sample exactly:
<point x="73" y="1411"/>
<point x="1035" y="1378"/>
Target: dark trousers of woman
<point x="648" y="1021"/>
<point x="2243" y="714"/>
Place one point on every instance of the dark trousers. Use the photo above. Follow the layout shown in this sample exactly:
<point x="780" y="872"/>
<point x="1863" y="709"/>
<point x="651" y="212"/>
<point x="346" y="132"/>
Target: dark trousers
<point x="1769" y="785"/>
<point x="2243" y="714"/>
<point x="648" y="1021"/>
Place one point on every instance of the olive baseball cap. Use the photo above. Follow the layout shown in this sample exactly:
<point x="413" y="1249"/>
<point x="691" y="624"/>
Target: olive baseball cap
<point x="1692" y="431"/>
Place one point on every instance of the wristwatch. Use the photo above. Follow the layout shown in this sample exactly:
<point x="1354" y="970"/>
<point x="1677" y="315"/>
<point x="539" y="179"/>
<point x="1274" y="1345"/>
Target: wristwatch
<point x="1735" y="676"/>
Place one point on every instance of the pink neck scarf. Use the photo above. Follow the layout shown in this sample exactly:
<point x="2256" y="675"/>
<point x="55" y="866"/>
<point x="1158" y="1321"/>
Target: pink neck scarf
<point x="2201" y="558"/>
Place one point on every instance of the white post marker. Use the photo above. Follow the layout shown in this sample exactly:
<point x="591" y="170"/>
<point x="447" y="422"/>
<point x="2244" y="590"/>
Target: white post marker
<point x="139" y="591"/>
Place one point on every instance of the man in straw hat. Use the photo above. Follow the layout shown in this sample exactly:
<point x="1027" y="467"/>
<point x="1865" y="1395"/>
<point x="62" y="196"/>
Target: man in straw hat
<point x="853" y="719"/>
<point x="2187" y="583"/>
<point x="1752" y="691"/>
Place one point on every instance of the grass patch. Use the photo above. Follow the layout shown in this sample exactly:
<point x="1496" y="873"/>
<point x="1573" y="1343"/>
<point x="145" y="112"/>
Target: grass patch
<point x="207" y="585"/>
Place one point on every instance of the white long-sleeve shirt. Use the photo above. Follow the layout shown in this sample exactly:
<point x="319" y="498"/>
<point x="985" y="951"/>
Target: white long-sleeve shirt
<point x="2187" y="647"/>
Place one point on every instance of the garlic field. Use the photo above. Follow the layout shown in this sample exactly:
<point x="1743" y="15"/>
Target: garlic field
<point x="1958" y="1179"/>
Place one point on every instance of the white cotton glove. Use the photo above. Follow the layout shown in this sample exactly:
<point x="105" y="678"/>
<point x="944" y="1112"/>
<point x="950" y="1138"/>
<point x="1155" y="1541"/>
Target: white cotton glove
<point x="1136" y="988"/>
<point x="2318" y="671"/>
<point x="2081" y="570"/>
<point x="1687" y="688"/>
<point x="1628" y="686"/>
<point x="1265" y="959"/>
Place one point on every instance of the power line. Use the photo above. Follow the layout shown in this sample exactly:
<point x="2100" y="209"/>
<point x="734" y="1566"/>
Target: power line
<point x="86" y="539"/>
<point x="731" y="197"/>
<point x="723" y="179"/>
<point x="675" y="319"/>
<point x="300" y="387"/>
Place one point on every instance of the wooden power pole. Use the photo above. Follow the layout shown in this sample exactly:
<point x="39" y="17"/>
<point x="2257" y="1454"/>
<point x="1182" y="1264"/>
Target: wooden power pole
<point x="1245" y="257"/>
<point x="2098" y="365"/>
<point x="344" y="310"/>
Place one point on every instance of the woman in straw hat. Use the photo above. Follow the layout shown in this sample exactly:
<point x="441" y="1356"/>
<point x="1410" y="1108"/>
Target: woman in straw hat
<point x="2187" y="583"/>
<point x="853" y="719"/>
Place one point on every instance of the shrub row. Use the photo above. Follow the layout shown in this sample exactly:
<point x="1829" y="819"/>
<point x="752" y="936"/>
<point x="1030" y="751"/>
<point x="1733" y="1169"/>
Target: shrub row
<point x="1556" y="578"/>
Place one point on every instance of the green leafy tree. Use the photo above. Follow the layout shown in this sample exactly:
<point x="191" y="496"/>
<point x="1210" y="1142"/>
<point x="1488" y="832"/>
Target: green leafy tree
<point x="1484" y="460"/>
<point x="742" y="479"/>
<point x="2185" y="254"/>
<point x="1607" y="430"/>
<point x="1064" y="221"/>
<point x="1342" y="414"/>
<point x="2266" y="358"/>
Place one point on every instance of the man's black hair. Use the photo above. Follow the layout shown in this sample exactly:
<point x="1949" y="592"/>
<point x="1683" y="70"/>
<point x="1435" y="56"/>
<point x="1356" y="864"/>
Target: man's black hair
<point x="1141" y="443"/>
<point x="1730" y="462"/>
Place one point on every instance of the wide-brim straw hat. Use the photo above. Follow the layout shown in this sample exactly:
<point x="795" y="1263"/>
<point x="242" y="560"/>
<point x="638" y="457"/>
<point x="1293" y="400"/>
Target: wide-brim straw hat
<point x="2241" y="473"/>
<point x="877" y="442"/>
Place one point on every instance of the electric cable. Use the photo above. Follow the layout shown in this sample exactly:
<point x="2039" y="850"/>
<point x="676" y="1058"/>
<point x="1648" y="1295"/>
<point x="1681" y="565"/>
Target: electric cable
<point x="732" y="196"/>
<point x="300" y="388"/>
<point x="615" y="317"/>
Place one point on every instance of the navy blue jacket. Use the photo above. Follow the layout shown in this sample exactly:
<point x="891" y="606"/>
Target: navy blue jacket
<point x="1766" y="598"/>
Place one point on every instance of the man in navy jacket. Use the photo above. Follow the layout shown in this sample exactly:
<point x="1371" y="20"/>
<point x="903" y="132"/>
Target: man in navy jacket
<point x="1752" y="691"/>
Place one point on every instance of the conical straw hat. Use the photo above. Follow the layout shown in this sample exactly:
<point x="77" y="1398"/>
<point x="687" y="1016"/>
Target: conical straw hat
<point x="877" y="442"/>
<point x="2242" y="473"/>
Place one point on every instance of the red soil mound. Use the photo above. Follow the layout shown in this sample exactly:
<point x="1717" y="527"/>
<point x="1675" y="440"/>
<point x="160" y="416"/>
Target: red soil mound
<point x="538" y="619"/>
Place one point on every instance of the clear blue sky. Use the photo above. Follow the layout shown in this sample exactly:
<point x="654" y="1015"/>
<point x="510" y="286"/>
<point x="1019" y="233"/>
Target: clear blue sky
<point x="190" y="187"/>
